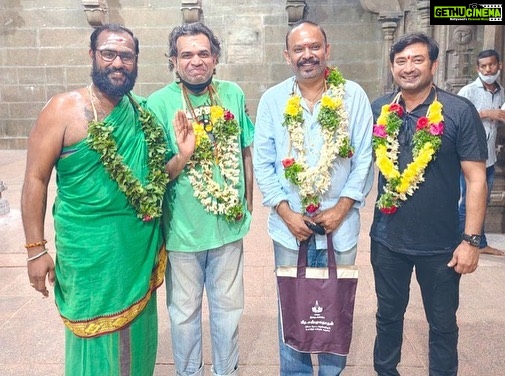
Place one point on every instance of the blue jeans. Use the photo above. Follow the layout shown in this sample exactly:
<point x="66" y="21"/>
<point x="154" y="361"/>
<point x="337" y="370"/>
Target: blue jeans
<point x="292" y="362"/>
<point x="440" y="293"/>
<point x="220" y="272"/>
<point x="462" y="203"/>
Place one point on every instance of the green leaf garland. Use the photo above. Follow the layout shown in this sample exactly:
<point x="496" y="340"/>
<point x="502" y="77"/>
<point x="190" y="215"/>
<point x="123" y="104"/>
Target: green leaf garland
<point x="145" y="199"/>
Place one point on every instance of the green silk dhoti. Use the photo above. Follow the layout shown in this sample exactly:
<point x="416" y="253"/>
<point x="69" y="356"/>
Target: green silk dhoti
<point x="129" y="351"/>
<point x="108" y="261"/>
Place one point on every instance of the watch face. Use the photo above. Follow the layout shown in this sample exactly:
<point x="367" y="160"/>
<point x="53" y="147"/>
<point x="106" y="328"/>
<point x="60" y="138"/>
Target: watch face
<point x="475" y="240"/>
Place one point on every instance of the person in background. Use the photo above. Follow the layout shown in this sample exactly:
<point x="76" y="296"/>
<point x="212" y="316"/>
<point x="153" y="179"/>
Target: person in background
<point x="109" y="154"/>
<point x="313" y="162"/>
<point x="424" y="137"/>
<point x="488" y="96"/>
<point x="208" y="203"/>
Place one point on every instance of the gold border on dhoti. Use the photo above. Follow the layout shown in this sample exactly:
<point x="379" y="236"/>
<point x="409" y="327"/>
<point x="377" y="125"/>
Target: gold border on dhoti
<point x="111" y="323"/>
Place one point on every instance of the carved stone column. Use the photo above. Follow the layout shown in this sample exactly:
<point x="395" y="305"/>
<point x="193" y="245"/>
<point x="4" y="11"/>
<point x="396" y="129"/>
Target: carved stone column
<point x="459" y="56"/>
<point x="495" y="216"/>
<point x="96" y="11"/>
<point x="389" y="14"/>
<point x="388" y="30"/>
<point x="191" y="11"/>
<point x="4" y="204"/>
<point x="423" y="8"/>
<point x="296" y="10"/>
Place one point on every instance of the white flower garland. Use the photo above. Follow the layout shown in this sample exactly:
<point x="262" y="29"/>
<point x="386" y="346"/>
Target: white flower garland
<point x="223" y="152"/>
<point x="314" y="181"/>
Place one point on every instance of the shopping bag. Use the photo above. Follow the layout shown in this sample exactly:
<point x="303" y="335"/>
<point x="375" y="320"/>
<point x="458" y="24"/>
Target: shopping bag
<point x="317" y="304"/>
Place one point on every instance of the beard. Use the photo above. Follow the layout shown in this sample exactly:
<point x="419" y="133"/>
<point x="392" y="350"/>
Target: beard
<point x="107" y="86"/>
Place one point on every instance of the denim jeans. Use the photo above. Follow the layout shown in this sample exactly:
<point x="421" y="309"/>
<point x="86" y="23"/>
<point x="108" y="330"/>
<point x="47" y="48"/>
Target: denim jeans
<point x="440" y="293"/>
<point x="292" y="362"/>
<point x="462" y="204"/>
<point x="220" y="272"/>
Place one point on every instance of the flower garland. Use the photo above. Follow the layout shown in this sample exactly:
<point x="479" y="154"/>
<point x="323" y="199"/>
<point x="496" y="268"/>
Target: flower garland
<point x="217" y="144"/>
<point x="314" y="181"/>
<point x="426" y="141"/>
<point x="145" y="199"/>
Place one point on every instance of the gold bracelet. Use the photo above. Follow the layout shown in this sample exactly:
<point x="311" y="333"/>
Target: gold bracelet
<point x="37" y="256"/>
<point x="36" y="244"/>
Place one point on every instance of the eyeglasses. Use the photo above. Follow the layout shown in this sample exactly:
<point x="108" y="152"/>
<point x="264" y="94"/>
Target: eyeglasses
<point x="110" y="55"/>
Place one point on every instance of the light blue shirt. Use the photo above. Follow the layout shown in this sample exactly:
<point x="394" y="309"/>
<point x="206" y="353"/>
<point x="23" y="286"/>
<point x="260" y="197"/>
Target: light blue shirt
<point x="349" y="177"/>
<point x="483" y="99"/>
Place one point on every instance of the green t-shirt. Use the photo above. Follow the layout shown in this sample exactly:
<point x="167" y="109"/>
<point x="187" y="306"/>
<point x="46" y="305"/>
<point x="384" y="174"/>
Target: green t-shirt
<point x="188" y="227"/>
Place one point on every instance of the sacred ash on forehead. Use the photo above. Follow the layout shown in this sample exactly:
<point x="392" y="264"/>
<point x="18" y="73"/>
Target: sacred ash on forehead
<point x="116" y="42"/>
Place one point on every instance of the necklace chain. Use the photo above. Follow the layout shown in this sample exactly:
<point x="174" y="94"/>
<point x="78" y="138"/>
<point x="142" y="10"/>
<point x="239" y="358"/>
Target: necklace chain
<point x="314" y="99"/>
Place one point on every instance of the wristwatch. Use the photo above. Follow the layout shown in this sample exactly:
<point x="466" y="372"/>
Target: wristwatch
<point x="473" y="240"/>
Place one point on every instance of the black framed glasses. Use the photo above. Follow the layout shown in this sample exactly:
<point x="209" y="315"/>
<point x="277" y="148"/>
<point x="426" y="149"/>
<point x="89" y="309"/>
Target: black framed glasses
<point x="110" y="55"/>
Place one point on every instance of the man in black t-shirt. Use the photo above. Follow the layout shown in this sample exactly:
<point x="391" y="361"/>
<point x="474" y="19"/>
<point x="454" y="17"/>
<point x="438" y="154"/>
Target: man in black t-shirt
<point x="423" y="138"/>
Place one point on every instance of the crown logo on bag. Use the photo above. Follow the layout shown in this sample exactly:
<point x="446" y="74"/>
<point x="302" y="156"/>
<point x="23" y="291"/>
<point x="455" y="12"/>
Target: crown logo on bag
<point x="317" y="308"/>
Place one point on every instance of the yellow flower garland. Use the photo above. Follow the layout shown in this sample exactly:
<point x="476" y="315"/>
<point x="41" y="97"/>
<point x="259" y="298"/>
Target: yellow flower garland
<point x="427" y="141"/>
<point x="313" y="182"/>
<point x="217" y="144"/>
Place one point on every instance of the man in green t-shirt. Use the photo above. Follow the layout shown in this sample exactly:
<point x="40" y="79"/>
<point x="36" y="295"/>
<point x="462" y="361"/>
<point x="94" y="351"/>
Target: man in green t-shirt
<point x="208" y="203"/>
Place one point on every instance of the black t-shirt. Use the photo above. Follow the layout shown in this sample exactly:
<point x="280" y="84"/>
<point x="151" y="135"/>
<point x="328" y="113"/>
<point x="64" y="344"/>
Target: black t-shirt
<point x="427" y="222"/>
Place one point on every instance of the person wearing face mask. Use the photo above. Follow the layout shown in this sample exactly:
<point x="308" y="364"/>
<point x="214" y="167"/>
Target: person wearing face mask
<point x="488" y="97"/>
<point x="208" y="203"/>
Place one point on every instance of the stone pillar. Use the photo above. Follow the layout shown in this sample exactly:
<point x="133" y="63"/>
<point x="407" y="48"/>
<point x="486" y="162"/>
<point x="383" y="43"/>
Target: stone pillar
<point x="389" y="26"/>
<point x="423" y="8"/>
<point x="296" y="10"/>
<point x="191" y="11"/>
<point x="4" y="204"/>
<point x="495" y="216"/>
<point x="459" y="56"/>
<point x="389" y="14"/>
<point x="96" y="11"/>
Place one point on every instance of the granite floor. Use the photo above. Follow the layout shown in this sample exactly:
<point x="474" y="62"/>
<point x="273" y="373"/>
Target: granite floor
<point x="31" y="332"/>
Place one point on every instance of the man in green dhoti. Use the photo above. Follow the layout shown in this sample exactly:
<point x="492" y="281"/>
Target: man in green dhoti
<point x="109" y="155"/>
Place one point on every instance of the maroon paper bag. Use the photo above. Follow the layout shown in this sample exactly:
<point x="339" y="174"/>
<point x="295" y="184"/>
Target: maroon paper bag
<point x="317" y="304"/>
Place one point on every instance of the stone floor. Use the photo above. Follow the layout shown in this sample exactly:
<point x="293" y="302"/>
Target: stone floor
<point x="31" y="332"/>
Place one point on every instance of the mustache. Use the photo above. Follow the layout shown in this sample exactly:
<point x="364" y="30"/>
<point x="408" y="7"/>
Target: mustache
<point x="114" y="70"/>
<point x="311" y="60"/>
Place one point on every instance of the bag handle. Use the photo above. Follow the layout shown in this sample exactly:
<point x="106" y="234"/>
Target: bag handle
<point x="302" y="258"/>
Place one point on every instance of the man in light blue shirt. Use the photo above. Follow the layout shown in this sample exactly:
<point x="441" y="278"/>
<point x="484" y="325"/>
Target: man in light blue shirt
<point x="313" y="164"/>
<point x="488" y="96"/>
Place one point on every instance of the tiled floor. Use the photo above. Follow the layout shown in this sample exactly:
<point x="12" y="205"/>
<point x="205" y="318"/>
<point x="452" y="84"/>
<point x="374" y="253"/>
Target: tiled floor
<point x="31" y="333"/>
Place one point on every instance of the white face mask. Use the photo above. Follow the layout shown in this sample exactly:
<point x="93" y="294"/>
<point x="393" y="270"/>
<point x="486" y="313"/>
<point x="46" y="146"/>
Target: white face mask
<point x="489" y="79"/>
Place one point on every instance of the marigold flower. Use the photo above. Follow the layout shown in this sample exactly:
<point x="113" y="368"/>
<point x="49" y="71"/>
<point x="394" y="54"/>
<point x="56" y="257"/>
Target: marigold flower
<point x="436" y="106"/>
<point x="382" y="120"/>
<point x="426" y="143"/>
<point x="436" y="117"/>
<point x="326" y="101"/>
<point x="216" y="113"/>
